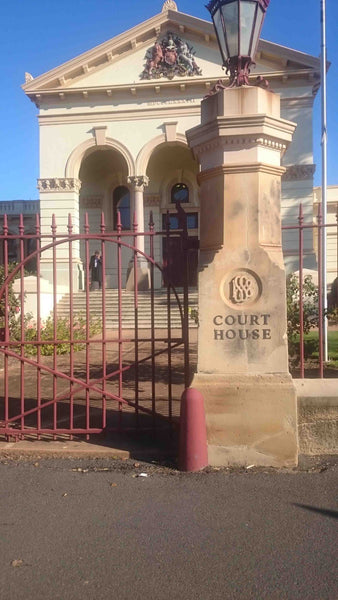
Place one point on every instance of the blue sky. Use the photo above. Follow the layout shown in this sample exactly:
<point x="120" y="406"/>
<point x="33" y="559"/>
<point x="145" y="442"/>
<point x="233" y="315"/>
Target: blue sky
<point x="38" y="35"/>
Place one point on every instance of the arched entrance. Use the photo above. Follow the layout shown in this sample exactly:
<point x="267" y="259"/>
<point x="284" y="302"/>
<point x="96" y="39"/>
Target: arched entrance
<point x="105" y="189"/>
<point x="172" y="173"/>
<point x="121" y="204"/>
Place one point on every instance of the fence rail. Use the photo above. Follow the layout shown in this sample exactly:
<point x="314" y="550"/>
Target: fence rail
<point x="320" y="230"/>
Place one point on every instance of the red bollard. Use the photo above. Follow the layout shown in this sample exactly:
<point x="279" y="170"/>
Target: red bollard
<point x="193" y="452"/>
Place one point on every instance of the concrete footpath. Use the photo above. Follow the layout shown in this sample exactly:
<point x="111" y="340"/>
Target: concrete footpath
<point x="85" y="529"/>
<point x="161" y="446"/>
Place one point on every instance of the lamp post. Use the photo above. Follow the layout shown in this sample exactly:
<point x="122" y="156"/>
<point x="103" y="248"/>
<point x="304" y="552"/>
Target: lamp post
<point x="242" y="361"/>
<point x="238" y="24"/>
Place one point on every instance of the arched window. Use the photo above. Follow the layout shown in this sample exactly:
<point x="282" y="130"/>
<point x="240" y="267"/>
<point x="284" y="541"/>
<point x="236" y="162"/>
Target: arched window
<point x="180" y="193"/>
<point x="121" y="203"/>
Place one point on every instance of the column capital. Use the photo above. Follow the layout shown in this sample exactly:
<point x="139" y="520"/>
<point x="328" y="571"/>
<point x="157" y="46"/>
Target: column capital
<point x="139" y="182"/>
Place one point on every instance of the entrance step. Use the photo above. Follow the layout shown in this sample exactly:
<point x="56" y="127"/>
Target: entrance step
<point x="128" y="309"/>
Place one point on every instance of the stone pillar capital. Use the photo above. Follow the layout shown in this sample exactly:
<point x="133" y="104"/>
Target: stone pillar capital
<point x="240" y="126"/>
<point x="139" y="182"/>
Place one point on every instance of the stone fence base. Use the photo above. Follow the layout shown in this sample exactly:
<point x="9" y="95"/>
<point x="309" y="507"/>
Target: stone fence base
<point x="317" y="416"/>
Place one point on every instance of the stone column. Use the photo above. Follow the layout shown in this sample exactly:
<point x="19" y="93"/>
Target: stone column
<point x="242" y="347"/>
<point x="60" y="197"/>
<point x="139" y="182"/>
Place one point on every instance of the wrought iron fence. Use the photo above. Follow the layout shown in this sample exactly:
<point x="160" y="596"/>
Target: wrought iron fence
<point x="309" y="295"/>
<point x="81" y="374"/>
<point x="72" y="374"/>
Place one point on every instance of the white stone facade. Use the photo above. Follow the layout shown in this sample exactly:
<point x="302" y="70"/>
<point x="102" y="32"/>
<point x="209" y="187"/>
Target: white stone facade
<point x="332" y="231"/>
<point x="107" y="124"/>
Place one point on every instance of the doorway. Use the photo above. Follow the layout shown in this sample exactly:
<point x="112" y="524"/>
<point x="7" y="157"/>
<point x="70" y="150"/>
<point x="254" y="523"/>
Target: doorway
<point x="173" y="252"/>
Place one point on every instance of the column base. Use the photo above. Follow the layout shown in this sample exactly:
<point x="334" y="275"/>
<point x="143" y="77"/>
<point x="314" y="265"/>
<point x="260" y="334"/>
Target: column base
<point x="78" y="274"/>
<point x="251" y="419"/>
<point x="143" y="276"/>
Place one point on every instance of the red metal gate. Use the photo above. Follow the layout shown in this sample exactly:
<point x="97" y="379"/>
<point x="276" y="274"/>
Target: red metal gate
<point x="84" y="373"/>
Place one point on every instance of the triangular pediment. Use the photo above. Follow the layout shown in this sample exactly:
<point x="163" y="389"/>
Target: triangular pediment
<point x="121" y="60"/>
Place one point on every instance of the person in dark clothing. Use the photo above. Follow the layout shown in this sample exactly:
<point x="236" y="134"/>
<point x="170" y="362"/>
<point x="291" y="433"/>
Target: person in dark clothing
<point x="95" y="267"/>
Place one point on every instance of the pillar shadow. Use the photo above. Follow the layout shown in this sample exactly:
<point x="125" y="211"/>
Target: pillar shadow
<point x="322" y="511"/>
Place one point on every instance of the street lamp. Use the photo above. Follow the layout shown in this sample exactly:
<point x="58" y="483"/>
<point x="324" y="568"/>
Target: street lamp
<point x="238" y="24"/>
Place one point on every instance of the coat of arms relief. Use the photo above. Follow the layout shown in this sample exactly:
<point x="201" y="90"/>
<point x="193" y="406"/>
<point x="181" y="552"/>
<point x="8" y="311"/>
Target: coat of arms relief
<point x="169" y="57"/>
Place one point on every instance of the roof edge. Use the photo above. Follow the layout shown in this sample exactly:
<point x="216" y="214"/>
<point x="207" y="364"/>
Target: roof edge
<point x="155" y="23"/>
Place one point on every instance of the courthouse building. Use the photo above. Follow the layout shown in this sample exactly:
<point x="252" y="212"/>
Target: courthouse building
<point x="113" y="125"/>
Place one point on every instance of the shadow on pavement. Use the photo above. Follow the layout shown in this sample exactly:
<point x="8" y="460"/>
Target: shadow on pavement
<point x="323" y="511"/>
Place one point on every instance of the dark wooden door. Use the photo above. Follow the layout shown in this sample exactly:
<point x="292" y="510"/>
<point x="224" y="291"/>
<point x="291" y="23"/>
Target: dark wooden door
<point x="173" y="260"/>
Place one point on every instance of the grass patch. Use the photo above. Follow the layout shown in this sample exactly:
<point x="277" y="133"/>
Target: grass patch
<point x="313" y="338"/>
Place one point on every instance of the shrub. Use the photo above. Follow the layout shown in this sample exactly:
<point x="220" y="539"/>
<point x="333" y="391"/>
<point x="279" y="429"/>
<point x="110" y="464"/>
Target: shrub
<point x="62" y="334"/>
<point x="47" y="327"/>
<point x="193" y="314"/>
<point x="13" y="302"/>
<point x="332" y="315"/>
<point x="310" y="315"/>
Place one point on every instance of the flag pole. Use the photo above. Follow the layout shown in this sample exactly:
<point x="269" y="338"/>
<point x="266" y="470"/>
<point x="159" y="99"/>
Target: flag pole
<point x="324" y="172"/>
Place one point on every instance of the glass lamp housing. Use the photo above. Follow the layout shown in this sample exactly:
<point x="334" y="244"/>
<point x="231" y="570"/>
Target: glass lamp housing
<point x="238" y="24"/>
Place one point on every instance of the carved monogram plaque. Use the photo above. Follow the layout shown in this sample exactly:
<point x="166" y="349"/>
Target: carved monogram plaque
<point x="241" y="287"/>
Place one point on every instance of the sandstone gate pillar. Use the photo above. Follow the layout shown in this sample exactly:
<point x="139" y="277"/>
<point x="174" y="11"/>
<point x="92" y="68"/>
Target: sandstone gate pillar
<point x="242" y="369"/>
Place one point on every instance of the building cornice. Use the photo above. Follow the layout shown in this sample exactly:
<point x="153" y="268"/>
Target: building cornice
<point x="256" y="167"/>
<point x="236" y="141"/>
<point x="17" y="207"/>
<point x="299" y="172"/>
<point x="148" y="113"/>
<point x="57" y="184"/>
<point x="153" y="88"/>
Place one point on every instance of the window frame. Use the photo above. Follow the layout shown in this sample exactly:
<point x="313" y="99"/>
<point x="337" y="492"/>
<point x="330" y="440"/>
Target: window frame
<point x="115" y="202"/>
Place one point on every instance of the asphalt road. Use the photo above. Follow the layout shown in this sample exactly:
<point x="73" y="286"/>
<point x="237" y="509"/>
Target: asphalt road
<point x="101" y="532"/>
